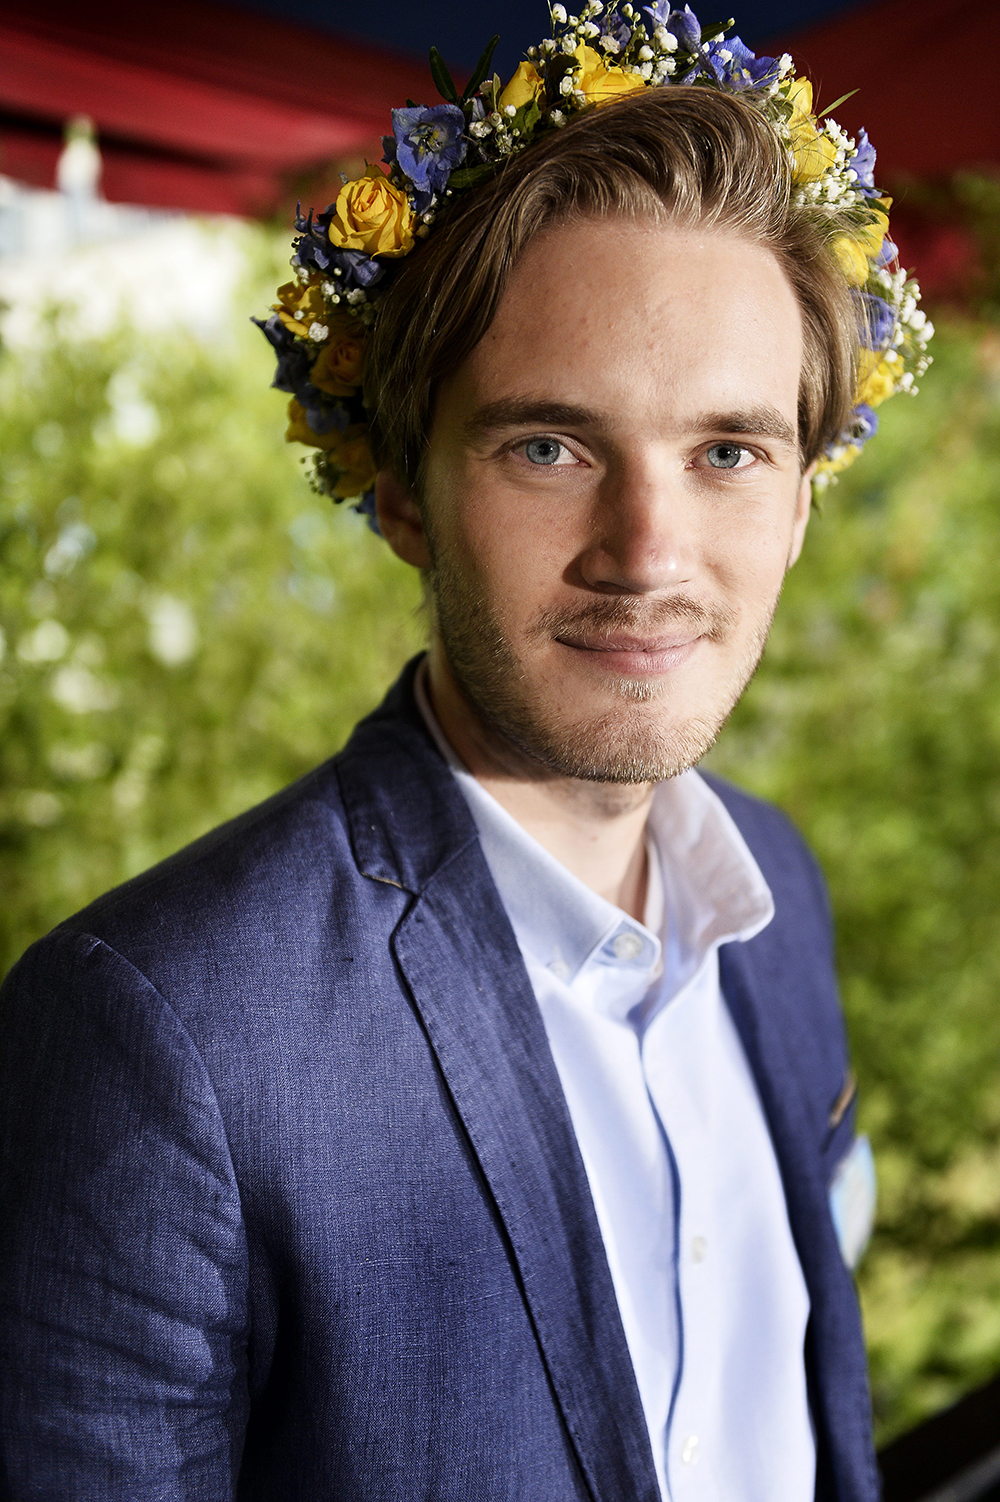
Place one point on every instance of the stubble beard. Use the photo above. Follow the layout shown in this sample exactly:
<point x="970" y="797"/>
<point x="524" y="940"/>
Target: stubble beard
<point x="628" y="743"/>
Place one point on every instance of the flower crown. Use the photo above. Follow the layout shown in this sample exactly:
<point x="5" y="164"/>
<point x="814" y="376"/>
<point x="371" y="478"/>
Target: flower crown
<point x="343" y="259"/>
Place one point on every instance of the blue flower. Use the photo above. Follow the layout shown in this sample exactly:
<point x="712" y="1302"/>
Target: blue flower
<point x="863" y="163"/>
<point x="429" y="144"/>
<point x="621" y="31"/>
<point x="314" y="251"/>
<point x="887" y="254"/>
<point x="293" y="354"/>
<point x="876" y="320"/>
<point x="323" y="412"/>
<point x="366" y="508"/>
<point x="735" y="67"/>
<point x="683" y="24"/>
<point x="861" y="425"/>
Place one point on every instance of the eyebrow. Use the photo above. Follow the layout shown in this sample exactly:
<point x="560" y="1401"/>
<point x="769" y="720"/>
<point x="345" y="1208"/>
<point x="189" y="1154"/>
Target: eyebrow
<point x="515" y="412"/>
<point x="764" y="421"/>
<point x="527" y="411"/>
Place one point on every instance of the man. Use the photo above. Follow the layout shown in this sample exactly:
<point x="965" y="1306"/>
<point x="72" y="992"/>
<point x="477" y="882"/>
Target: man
<point x="461" y="1123"/>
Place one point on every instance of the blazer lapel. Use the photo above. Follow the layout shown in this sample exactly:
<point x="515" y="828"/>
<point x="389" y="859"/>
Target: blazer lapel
<point x="765" y="987"/>
<point x="464" y="970"/>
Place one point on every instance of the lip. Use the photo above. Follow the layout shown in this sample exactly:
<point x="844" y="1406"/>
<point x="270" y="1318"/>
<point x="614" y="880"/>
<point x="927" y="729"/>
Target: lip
<point x="634" y="656"/>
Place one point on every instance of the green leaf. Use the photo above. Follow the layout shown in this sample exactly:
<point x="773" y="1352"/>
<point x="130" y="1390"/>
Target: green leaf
<point x="716" y="29"/>
<point x="467" y="177"/>
<point x="481" y="69"/>
<point x="443" y="81"/>
<point x="828" y="109"/>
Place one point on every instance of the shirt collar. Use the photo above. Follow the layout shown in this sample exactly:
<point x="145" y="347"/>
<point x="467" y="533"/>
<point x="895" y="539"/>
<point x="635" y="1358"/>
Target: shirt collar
<point x="706" y="888"/>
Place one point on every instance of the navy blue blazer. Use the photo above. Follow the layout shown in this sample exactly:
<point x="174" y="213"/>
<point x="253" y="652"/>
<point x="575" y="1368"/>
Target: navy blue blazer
<point x="292" y="1204"/>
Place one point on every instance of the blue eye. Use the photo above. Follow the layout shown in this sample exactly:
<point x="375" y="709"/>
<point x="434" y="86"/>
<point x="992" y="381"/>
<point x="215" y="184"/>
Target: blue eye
<point x="542" y="450"/>
<point x="725" y="455"/>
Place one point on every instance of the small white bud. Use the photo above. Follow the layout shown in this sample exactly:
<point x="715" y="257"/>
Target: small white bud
<point x="559" y="14"/>
<point x="645" y="54"/>
<point x="510" y="111"/>
<point x="566" y="87"/>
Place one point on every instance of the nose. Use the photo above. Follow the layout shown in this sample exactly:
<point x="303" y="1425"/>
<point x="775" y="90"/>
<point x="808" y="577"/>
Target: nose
<point x="642" y="535"/>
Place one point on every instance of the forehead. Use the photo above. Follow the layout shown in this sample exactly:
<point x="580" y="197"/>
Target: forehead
<point x="648" y="322"/>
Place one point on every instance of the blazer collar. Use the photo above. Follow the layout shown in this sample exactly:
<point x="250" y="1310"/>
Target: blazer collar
<point x="410" y="826"/>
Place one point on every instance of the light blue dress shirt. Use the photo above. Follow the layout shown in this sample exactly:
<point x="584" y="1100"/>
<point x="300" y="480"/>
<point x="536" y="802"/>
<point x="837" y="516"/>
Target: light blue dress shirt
<point x="673" y="1138"/>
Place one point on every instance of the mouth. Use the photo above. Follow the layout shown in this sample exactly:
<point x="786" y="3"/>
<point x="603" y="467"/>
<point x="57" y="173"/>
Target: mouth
<point x="631" y="656"/>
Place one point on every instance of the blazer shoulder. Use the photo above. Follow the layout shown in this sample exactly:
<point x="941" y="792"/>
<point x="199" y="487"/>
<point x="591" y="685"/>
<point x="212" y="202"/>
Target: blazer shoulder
<point x="254" y="891"/>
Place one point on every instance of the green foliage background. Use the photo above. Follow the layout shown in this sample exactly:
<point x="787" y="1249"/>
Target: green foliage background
<point x="187" y="628"/>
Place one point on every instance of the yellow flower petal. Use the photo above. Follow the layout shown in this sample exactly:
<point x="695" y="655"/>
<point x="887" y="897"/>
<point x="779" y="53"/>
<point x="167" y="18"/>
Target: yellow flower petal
<point x="523" y="87"/>
<point x="852" y="259"/>
<point x="600" y="84"/>
<point x="372" y="216"/>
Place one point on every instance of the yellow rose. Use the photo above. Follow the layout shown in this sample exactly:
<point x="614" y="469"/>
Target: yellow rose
<point x="814" y="153"/>
<point x="352" y="459"/>
<point x="877" y="377"/>
<point x="523" y="87"/>
<point x="372" y="216"/>
<point x="600" y="84"/>
<point x="852" y="259"/>
<point x="338" y="369"/>
<point x="854" y="251"/>
<point x="299" y="307"/>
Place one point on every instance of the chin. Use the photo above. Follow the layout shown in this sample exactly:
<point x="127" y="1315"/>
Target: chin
<point x="628" y="743"/>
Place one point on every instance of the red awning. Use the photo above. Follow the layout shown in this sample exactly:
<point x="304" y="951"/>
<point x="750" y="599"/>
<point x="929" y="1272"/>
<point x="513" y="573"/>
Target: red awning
<point x="197" y="106"/>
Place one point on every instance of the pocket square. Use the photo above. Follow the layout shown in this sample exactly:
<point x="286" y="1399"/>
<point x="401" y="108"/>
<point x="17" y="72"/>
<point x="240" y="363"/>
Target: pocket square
<point x="852" y="1200"/>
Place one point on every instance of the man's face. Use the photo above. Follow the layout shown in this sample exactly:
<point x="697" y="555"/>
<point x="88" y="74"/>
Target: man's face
<point x="613" y="494"/>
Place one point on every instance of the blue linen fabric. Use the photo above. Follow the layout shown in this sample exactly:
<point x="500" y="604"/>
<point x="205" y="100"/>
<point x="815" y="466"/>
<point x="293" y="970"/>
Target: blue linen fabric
<point x="291" y="1202"/>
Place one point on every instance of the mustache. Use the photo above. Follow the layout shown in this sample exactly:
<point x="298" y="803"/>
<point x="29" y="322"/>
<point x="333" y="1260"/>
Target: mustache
<point x="636" y="616"/>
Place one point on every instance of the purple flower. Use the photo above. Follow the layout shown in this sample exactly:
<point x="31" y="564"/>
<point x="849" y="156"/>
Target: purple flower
<point x="863" y="163"/>
<point x="887" y="254"/>
<point x="293" y="355"/>
<point x="429" y="144"/>
<point x="861" y="425"/>
<point x="323" y="412"/>
<point x="366" y="508"/>
<point x="876" y="320"/>
<point x="684" y="25"/>
<point x="314" y="251"/>
<point x="735" y="67"/>
<point x="621" y="31"/>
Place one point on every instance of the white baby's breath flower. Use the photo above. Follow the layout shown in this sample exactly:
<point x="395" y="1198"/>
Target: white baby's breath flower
<point x="645" y="54"/>
<point x="568" y="45"/>
<point x="559" y="14"/>
<point x="318" y="332"/>
<point x="557" y="117"/>
<point x="566" y="87"/>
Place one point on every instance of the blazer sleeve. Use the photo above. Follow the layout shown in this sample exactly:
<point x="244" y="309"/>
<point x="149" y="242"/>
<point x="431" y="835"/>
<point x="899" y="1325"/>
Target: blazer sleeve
<point x="122" y="1252"/>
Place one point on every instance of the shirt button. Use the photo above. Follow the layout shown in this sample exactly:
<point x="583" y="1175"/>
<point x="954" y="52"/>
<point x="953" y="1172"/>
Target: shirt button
<point x="627" y="946"/>
<point x="699" y="1248"/>
<point x="689" y="1450"/>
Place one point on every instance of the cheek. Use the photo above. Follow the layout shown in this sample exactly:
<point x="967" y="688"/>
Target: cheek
<point x="750" y="556"/>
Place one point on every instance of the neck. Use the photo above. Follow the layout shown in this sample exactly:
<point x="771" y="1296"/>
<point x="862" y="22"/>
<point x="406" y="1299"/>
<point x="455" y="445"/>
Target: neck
<point x="595" y="829"/>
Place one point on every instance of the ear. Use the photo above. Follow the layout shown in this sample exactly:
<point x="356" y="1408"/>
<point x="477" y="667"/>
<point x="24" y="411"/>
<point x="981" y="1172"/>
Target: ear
<point x="803" y="511"/>
<point x="399" y="520"/>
